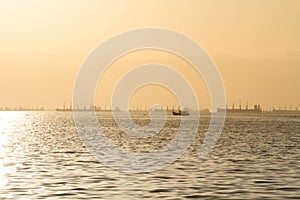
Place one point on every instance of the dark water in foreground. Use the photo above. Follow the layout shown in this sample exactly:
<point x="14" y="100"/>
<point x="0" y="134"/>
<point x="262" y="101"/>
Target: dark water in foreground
<point x="256" y="157"/>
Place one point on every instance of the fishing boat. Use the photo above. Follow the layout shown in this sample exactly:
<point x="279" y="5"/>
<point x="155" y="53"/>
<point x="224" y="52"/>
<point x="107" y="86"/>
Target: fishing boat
<point x="181" y="113"/>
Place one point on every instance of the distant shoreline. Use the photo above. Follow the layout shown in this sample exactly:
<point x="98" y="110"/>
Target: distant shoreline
<point x="202" y="112"/>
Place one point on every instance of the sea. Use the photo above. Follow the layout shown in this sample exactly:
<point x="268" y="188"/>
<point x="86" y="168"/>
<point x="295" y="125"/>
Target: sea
<point x="42" y="156"/>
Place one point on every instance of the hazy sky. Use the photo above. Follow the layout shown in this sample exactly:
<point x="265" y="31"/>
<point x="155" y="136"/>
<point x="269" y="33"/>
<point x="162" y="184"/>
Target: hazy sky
<point x="255" y="44"/>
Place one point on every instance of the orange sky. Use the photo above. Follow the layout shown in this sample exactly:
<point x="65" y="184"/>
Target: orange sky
<point x="255" y="44"/>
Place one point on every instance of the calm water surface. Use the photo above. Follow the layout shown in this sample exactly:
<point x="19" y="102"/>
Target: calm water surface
<point x="42" y="157"/>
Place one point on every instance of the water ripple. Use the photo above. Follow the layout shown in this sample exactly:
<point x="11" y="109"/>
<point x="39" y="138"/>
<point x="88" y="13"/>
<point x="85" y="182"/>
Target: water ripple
<point x="42" y="157"/>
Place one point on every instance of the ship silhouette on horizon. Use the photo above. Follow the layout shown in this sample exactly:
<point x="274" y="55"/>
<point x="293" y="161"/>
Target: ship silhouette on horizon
<point x="256" y="109"/>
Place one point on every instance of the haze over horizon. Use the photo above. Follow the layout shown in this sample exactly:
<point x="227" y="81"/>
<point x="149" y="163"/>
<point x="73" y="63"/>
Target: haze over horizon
<point x="255" y="44"/>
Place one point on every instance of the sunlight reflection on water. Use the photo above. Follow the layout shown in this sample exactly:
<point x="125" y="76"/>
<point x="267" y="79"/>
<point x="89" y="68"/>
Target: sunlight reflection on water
<point x="41" y="156"/>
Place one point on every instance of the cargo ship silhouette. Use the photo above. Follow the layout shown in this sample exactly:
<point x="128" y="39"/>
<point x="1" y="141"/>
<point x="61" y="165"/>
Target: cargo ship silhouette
<point x="255" y="110"/>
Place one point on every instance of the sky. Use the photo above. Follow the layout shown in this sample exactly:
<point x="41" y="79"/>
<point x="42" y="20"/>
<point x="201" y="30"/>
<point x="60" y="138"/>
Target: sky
<point x="255" y="45"/>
